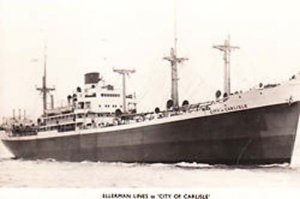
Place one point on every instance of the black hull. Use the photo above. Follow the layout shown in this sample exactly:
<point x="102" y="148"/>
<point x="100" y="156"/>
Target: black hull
<point x="257" y="136"/>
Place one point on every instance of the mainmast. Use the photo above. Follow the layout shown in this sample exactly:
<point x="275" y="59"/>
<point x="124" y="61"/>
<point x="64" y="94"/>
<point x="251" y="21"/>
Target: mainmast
<point x="44" y="89"/>
<point x="226" y="48"/>
<point x="124" y="72"/>
<point x="173" y="59"/>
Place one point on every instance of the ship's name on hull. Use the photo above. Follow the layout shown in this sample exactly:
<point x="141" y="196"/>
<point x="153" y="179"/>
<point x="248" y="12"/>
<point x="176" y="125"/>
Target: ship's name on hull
<point x="229" y="108"/>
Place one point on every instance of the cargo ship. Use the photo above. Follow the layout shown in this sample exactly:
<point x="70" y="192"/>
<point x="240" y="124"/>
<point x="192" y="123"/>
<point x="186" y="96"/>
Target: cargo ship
<point x="101" y="123"/>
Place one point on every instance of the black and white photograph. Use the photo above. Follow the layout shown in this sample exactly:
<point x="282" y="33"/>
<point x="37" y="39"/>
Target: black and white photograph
<point x="140" y="99"/>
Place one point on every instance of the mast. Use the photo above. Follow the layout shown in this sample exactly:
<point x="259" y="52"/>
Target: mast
<point x="226" y="48"/>
<point x="173" y="59"/>
<point x="124" y="72"/>
<point x="44" y="89"/>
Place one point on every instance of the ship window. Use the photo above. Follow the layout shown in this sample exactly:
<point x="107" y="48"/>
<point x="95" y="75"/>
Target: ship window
<point x="92" y="95"/>
<point x="81" y="105"/>
<point x="110" y="95"/>
<point x="110" y="87"/>
<point x="99" y="105"/>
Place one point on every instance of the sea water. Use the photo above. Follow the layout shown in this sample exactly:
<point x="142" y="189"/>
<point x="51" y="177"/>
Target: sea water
<point x="50" y="173"/>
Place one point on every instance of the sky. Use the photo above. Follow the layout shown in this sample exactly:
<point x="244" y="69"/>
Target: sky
<point x="99" y="35"/>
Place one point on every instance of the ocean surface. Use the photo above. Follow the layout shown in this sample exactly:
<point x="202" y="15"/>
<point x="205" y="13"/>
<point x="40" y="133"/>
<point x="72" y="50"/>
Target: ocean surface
<point x="50" y="173"/>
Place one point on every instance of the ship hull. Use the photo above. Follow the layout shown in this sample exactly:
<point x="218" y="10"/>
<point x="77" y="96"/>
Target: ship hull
<point x="256" y="136"/>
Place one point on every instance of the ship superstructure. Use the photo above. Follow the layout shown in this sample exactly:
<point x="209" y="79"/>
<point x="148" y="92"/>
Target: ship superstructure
<point x="95" y="105"/>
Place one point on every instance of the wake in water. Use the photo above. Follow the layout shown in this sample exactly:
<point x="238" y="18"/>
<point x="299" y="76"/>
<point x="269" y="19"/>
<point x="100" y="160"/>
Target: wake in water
<point x="51" y="173"/>
<point x="180" y="165"/>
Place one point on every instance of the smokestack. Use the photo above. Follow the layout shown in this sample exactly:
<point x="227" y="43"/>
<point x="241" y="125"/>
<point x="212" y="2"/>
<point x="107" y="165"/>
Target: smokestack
<point x="24" y="114"/>
<point x="14" y="114"/>
<point x="52" y="101"/>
